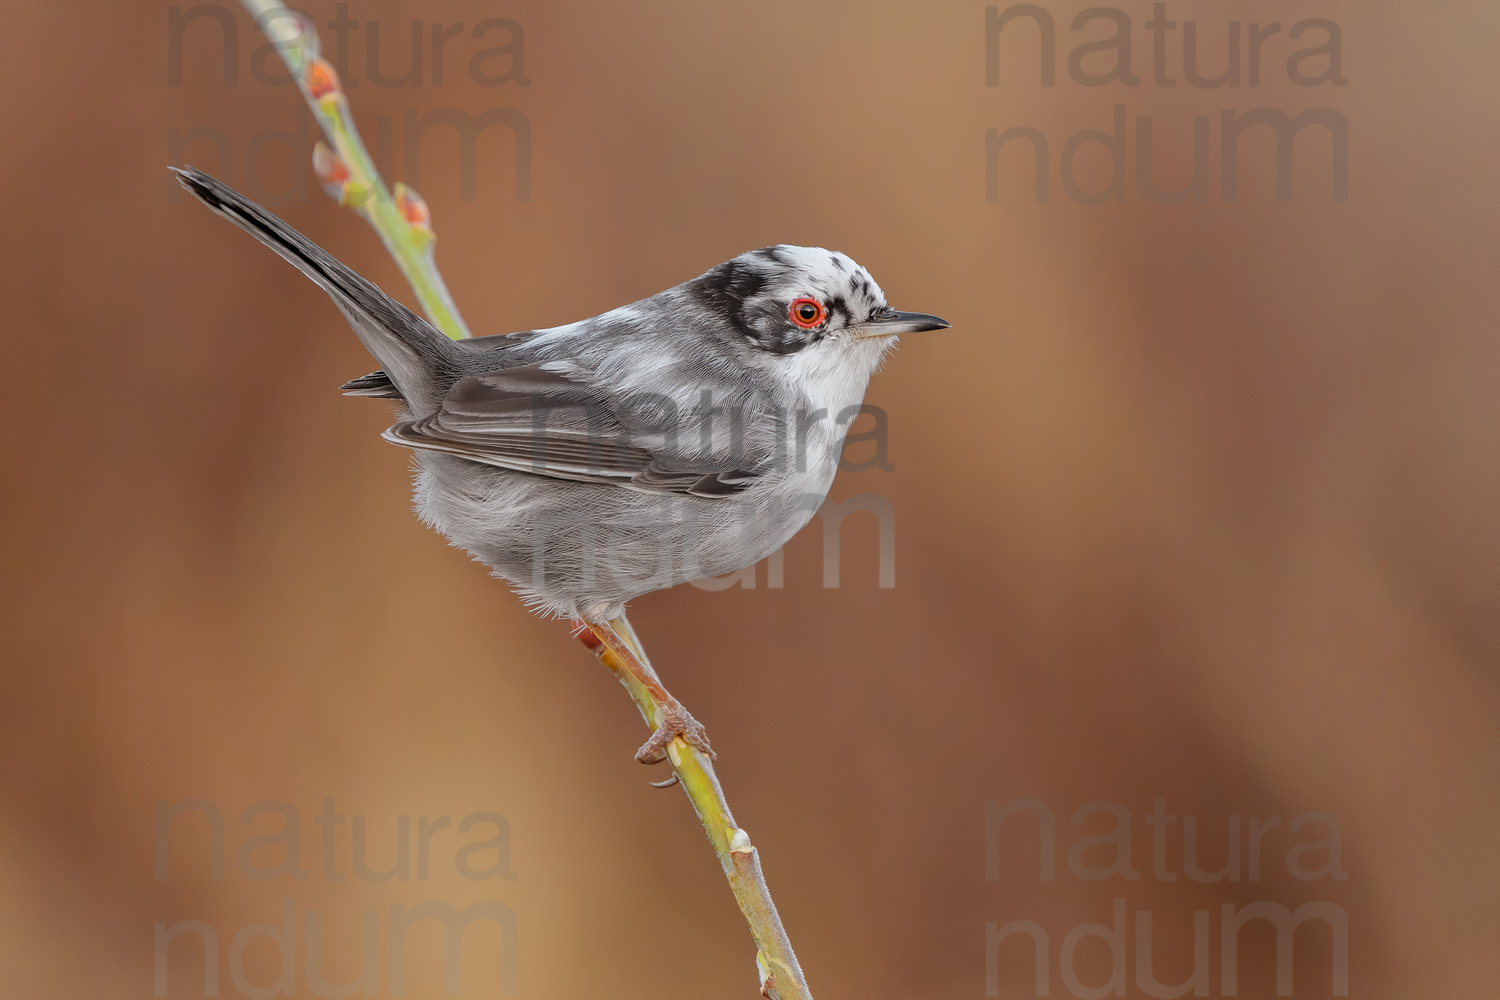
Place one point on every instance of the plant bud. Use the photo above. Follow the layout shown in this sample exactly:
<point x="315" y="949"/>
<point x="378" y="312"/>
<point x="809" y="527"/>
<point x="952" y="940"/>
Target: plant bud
<point x="321" y="79"/>
<point x="332" y="173"/>
<point x="413" y="209"/>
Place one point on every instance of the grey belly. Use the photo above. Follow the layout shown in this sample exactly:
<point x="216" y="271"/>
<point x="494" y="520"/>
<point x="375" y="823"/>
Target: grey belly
<point x="584" y="549"/>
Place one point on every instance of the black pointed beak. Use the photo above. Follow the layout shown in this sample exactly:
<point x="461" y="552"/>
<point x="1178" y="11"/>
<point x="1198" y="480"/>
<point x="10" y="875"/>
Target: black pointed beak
<point x="891" y="322"/>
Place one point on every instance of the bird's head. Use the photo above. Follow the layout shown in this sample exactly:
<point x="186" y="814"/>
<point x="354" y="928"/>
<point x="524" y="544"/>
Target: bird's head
<point x="785" y="300"/>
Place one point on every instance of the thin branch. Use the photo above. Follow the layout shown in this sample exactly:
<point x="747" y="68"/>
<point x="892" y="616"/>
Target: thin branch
<point x="404" y="224"/>
<point x="347" y="171"/>
<point x="780" y="975"/>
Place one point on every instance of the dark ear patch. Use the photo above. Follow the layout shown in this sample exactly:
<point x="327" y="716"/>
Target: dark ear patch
<point x="726" y="291"/>
<point x="727" y="286"/>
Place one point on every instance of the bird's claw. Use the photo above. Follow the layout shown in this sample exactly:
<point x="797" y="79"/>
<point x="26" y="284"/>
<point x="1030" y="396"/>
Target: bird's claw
<point x="673" y="721"/>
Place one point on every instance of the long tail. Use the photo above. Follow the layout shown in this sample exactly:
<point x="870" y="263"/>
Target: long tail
<point x="413" y="354"/>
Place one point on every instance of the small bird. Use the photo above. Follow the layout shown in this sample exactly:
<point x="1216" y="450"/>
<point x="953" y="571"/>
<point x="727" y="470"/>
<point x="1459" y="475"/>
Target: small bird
<point x="686" y="435"/>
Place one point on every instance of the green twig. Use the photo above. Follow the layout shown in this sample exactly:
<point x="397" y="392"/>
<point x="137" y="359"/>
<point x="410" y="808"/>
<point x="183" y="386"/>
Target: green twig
<point x="347" y="171"/>
<point x="781" y="976"/>
<point x="402" y="219"/>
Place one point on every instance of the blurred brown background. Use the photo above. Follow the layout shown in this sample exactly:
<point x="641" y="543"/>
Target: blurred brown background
<point x="1195" y="502"/>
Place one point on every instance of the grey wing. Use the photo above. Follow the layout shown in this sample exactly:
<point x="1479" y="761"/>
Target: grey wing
<point x="531" y="419"/>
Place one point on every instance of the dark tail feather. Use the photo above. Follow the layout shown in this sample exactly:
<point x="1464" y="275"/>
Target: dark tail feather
<point x="375" y="385"/>
<point x="409" y="349"/>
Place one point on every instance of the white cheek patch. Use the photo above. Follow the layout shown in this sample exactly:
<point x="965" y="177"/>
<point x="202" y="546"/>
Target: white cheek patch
<point x="833" y="374"/>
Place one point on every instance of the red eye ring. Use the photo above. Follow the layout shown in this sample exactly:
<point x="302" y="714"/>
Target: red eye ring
<point x="807" y="313"/>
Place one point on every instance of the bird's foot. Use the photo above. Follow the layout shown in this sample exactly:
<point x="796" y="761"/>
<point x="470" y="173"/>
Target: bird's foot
<point x="673" y="720"/>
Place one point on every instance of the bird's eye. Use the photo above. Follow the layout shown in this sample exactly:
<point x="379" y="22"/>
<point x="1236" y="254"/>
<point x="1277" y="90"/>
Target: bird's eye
<point x="807" y="313"/>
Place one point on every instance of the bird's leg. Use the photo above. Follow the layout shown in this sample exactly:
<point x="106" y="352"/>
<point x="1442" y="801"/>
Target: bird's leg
<point x="672" y="719"/>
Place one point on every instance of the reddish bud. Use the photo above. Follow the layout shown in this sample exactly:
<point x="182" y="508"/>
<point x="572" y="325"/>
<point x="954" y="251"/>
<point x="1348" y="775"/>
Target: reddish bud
<point x="321" y="79"/>
<point x="413" y="209"/>
<point x="327" y="165"/>
<point x="332" y="173"/>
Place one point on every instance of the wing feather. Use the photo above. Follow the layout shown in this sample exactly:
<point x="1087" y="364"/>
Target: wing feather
<point x="531" y="418"/>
